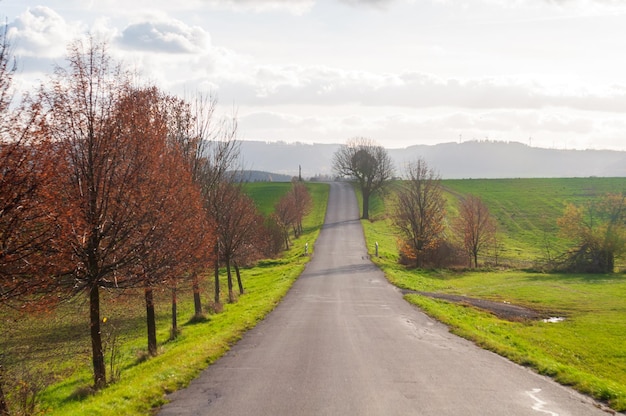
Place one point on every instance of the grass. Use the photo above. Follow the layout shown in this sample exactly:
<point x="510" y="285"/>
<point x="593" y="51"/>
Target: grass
<point x="266" y="194"/>
<point x="526" y="209"/>
<point x="51" y="351"/>
<point x="586" y="350"/>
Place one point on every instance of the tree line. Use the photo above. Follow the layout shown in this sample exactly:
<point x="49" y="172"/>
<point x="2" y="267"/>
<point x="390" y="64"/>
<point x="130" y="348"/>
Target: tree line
<point x="110" y="183"/>
<point x="428" y="237"/>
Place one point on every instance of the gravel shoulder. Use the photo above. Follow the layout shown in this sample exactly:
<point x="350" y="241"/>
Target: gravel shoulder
<point x="502" y="310"/>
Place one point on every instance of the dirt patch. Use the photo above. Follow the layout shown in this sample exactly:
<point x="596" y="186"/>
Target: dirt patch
<point x="500" y="309"/>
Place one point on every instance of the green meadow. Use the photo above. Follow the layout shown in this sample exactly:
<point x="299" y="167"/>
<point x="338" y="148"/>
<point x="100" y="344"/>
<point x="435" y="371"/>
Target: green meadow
<point x="266" y="194"/>
<point x="526" y="209"/>
<point x="48" y="355"/>
<point x="586" y="349"/>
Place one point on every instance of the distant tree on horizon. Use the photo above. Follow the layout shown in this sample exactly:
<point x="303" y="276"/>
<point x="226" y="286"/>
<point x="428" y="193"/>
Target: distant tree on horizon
<point x="362" y="159"/>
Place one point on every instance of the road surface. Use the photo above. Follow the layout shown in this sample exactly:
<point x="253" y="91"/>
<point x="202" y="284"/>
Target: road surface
<point x="344" y="342"/>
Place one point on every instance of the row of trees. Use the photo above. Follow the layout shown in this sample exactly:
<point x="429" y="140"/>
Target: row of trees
<point x="597" y="229"/>
<point x="420" y="207"/>
<point x="108" y="184"/>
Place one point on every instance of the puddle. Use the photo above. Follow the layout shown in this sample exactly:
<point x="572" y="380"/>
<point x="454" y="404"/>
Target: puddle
<point x="553" y="319"/>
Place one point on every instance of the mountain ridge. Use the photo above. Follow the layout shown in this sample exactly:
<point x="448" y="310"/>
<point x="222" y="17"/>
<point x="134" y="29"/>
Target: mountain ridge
<point x="470" y="159"/>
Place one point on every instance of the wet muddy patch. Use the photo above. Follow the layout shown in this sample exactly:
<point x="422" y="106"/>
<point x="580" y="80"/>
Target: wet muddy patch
<point x="503" y="310"/>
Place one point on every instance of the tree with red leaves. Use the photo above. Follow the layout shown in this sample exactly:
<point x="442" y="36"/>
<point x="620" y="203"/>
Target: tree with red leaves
<point x="210" y="150"/>
<point x="290" y="211"/>
<point x="238" y="226"/>
<point x="109" y="194"/>
<point x="285" y="215"/>
<point x="25" y="224"/>
<point x="176" y="235"/>
<point x="476" y="226"/>
<point x="302" y="202"/>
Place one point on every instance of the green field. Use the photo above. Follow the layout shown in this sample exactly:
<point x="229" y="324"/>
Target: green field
<point x="526" y="209"/>
<point x="266" y="194"/>
<point x="586" y="350"/>
<point x="50" y="353"/>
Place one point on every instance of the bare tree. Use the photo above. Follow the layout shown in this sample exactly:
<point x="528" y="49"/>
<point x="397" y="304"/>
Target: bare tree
<point x="476" y="226"/>
<point x="302" y="202"/>
<point x="368" y="163"/>
<point x="420" y="212"/>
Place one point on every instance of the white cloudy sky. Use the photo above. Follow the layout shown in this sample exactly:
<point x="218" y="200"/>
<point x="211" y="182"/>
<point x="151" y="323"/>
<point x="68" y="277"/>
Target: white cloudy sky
<point x="551" y="73"/>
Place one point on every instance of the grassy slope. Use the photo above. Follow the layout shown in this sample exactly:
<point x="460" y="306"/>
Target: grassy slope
<point x="526" y="210"/>
<point x="57" y="343"/>
<point x="586" y="350"/>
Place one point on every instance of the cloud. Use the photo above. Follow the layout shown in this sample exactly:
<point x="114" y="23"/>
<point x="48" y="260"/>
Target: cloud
<point x="41" y="32"/>
<point x="291" y="85"/>
<point x="293" y="6"/>
<point x="170" y="36"/>
<point x="378" y="4"/>
<point x="579" y="7"/>
<point x="124" y="7"/>
<point x="398" y="129"/>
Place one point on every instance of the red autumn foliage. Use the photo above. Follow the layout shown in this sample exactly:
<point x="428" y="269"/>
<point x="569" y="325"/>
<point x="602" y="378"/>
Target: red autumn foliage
<point x="121" y="195"/>
<point x="239" y="228"/>
<point x="476" y="227"/>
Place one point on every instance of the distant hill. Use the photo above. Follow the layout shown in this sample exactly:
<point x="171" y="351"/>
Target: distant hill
<point x="261" y="176"/>
<point x="285" y="158"/>
<point x="472" y="159"/>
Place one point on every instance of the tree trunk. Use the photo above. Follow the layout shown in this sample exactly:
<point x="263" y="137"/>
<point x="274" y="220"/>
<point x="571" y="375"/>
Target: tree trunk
<point x="286" y="234"/>
<point x="197" y="304"/>
<point x="99" y="369"/>
<point x="238" y="278"/>
<point x="174" y="313"/>
<point x="217" y="274"/>
<point x="4" y="408"/>
<point x="475" y="259"/>
<point x="366" y="203"/>
<point x="607" y="261"/>
<point x="231" y="296"/>
<point x="151" y="322"/>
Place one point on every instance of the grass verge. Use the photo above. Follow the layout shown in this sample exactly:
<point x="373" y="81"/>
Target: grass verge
<point x="584" y="351"/>
<point x="61" y="338"/>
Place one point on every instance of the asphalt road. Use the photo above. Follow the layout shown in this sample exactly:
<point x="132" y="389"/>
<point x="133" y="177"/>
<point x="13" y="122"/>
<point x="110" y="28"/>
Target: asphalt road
<point x="344" y="342"/>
